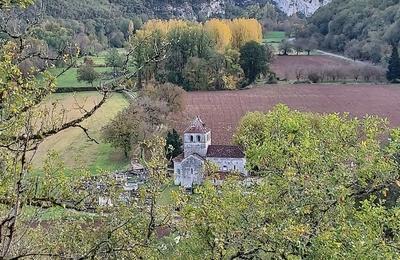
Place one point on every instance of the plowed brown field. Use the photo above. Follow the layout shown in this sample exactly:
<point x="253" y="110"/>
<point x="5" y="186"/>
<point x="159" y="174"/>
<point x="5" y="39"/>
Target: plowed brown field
<point x="222" y="110"/>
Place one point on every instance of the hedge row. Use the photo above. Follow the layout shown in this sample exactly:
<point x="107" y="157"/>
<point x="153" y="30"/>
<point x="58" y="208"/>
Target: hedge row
<point x="72" y="89"/>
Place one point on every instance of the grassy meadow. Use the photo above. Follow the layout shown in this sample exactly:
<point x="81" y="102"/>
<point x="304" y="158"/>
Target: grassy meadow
<point x="73" y="145"/>
<point x="69" y="78"/>
<point x="274" y="38"/>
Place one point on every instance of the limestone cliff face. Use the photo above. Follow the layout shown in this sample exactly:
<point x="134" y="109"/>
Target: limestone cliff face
<point x="306" y="7"/>
<point x="193" y="10"/>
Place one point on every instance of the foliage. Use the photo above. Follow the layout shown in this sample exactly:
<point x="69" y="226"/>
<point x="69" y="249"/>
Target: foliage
<point x="143" y="45"/>
<point x="25" y="193"/>
<point x="365" y="22"/>
<point x="4" y="4"/>
<point x="342" y="73"/>
<point x="199" y="57"/>
<point x="393" y="73"/>
<point x="127" y="129"/>
<point x="144" y="119"/>
<point x="303" y="44"/>
<point x="173" y="144"/>
<point x="115" y="60"/>
<point x="171" y="94"/>
<point x="285" y="47"/>
<point x="245" y="30"/>
<point x="321" y="175"/>
<point x="196" y="74"/>
<point x="220" y="31"/>
<point x="86" y="72"/>
<point x="253" y="60"/>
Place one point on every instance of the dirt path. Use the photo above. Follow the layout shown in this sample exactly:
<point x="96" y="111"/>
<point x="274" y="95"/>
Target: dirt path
<point x="344" y="58"/>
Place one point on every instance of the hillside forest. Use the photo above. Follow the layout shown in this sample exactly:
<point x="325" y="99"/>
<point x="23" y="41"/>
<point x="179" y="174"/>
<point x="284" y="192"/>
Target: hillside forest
<point x="361" y="29"/>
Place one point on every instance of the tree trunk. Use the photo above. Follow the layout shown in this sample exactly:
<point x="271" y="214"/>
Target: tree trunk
<point x="126" y="152"/>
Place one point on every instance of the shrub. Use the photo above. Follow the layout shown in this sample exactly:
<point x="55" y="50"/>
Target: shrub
<point x="314" y="76"/>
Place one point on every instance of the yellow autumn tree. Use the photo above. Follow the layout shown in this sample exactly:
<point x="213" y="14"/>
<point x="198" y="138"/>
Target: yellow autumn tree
<point x="221" y="32"/>
<point x="226" y="33"/>
<point x="244" y="30"/>
<point x="164" y="26"/>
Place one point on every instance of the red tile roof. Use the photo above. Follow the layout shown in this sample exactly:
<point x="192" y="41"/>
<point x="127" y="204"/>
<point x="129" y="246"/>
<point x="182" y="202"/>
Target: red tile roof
<point x="197" y="126"/>
<point x="224" y="151"/>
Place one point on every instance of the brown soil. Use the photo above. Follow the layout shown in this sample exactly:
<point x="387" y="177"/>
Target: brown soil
<point x="222" y="110"/>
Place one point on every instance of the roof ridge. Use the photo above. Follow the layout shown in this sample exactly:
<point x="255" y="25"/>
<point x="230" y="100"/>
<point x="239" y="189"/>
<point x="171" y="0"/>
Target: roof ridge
<point x="197" y="126"/>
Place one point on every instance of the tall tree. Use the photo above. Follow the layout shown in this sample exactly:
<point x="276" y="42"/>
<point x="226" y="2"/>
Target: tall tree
<point x="393" y="73"/>
<point x="285" y="47"/>
<point x="253" y="60"/>
<point x="115" y="60"/>
<point x="220" y="32"/>
<point x="173" y="144"/>
<point x="25" y="195"/>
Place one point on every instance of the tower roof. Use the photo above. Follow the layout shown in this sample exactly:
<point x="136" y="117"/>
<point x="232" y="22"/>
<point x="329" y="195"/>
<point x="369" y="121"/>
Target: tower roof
<point x="197" y="127"/>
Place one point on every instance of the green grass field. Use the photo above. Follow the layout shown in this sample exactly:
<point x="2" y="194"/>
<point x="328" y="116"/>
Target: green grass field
<point x="69" y="78"/>
<point x="100" y="58"/>
<point x="73" y="145"/>
<point x="274" y="38"/>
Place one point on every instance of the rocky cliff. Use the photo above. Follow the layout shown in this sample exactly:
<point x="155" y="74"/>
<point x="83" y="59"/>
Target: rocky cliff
<point x="306" y="7"/>
<point x="207" y="8"/>
<point x="165" y="9"/>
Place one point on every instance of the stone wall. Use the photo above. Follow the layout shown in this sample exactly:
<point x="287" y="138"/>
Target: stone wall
<point x="230" y="164"/>
<point x="189" y="172"/>
<point x="192" y="146"/>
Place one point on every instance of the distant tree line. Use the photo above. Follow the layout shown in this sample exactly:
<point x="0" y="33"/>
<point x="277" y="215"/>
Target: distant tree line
<point x="335" y="73"/>
<point x="200" y="56"/>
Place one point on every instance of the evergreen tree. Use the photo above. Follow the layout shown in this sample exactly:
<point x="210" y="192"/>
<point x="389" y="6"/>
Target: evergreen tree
<point x="173" y="140"/>
<point x="393" y="72"/>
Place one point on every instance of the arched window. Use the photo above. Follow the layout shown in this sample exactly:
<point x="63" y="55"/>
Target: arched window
<point x="198" y="138"/>
<point x="191" y="138"/>
<point x="191" y="171"/>
<point x="179" y="171"/>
